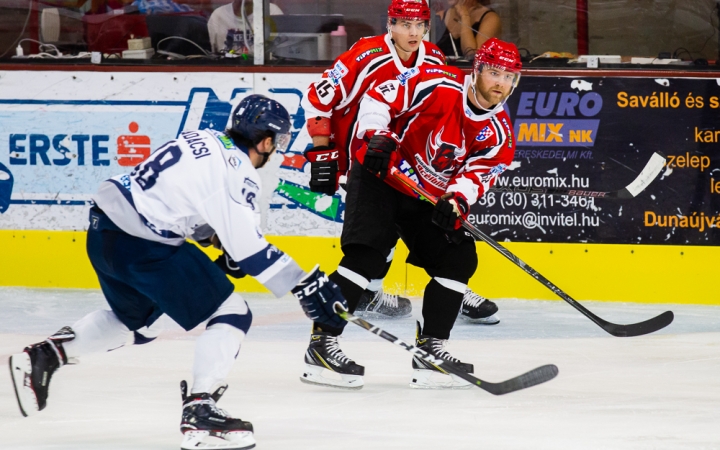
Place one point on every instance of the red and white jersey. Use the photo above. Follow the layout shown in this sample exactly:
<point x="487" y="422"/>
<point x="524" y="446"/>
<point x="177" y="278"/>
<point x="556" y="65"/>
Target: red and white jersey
<point x="338" y="93"/>
<point x="444" y="146"/>
<point x="424" y="109"/>
<point x="490" y="150"/>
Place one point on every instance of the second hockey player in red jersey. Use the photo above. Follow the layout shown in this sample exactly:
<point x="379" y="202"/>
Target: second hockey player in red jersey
<point x="331" y="106"/>
<point x="450" y="134"/>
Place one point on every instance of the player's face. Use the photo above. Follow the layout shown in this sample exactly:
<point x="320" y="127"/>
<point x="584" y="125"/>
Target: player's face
<point x="408" y="34"/>
<point x="494" y="84"/>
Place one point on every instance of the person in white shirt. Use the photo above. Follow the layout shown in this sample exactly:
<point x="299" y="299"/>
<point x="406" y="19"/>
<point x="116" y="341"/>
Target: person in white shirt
<point x="229" y="31"/>
<point x="202" y="186"/>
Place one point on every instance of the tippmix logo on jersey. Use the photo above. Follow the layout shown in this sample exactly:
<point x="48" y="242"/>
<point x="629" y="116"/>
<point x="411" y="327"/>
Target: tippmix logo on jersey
<point x="367" y="53"/>
<point x="485" y="134"/>
<point x="447" y="73"/>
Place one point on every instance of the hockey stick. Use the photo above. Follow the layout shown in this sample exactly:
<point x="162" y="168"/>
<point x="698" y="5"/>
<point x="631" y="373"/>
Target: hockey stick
<point x="635" y="329"/>
<point x="526" y="380"/>
<point x="651" y="170"/>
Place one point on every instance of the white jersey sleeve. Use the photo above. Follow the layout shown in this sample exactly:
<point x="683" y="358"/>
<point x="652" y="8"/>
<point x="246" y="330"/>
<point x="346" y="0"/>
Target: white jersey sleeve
<point x="197" y="183"/>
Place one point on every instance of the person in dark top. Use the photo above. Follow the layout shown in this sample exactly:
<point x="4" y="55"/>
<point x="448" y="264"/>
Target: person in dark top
<point x="465" y="26"/>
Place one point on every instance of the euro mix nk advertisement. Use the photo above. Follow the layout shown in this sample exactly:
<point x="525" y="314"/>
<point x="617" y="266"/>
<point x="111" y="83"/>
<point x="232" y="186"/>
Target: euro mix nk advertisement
<point x="62" y="133"/>
<point x="598" y="134"/>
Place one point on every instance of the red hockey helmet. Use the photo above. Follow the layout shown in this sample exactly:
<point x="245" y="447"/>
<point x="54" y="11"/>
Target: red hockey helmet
<point x="409" y="10"/>
<point x="500" y="54"/>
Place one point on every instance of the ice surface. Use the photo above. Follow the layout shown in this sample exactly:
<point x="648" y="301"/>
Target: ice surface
<point x="653" y="392"/>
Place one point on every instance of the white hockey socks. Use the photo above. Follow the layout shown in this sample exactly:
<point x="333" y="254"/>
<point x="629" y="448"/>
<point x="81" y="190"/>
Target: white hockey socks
<point x="99" y="331"/>
<point x="215" y="353"/>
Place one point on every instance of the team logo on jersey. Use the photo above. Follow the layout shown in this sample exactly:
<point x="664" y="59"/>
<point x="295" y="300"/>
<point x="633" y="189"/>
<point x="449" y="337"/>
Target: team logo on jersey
<point x="494" y="172"/>
<point x="388" y="90"/>
<point x="367" y="53"/>
<point x="437" y="52"/>
<point x="234" y="162"/>
<point x="337" y="72"/>
<point x="441" y="155"/>
<point x="484" y="134"/>
<point x="403" y="77"/>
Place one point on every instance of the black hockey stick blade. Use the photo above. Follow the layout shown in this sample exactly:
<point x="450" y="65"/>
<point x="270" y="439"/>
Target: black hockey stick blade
<point x="526" y="380"/>
<point x="651" y="170"/>
<point x="635" y="329"/>
<point x="640" y="328"/>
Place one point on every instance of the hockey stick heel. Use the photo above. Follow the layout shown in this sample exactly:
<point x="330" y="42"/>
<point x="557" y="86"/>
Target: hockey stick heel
<point x="526" y="380"/>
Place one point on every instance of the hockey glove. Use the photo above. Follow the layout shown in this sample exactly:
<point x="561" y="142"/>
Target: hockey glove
<point x="323" y="168"/>
<point x="227" y="265"/>
<point x="380" y="153"/>
<point x="319" y="296"/>
<point x="450" y="210"/>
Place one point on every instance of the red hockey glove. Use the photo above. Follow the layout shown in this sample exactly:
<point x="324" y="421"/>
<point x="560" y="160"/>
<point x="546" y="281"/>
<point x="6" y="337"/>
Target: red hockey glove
<point x="324" y="171"/>
<point x="380" y="153"/>
<point x="450" y="210"/>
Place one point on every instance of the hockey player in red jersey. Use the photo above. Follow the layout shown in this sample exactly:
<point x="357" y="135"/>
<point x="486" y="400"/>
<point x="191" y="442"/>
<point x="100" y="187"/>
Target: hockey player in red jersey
<point x="331" y="105"/>
<point x="450" y="134"/>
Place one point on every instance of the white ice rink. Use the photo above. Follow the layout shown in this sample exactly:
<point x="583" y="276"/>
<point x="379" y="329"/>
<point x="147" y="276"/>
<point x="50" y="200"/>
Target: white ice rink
<point x="653" y="392"/>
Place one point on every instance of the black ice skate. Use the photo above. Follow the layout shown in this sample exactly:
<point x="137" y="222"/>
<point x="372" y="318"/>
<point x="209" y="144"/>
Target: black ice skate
<point x="382" y="305"/>
<point x="324" y="353"/>
<point x="429" y="376"/>
<point x="204" y="425"/>
<point x="32" y="370"/>
<point x="477" y="309"/>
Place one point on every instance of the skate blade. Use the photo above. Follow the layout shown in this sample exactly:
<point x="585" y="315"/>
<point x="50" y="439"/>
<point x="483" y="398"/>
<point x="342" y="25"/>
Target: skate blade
<point x="430" y="379"/>
<point x="314" y="375"/>
<point x="376" y="315"/>
<point x="234" y="440"/>
<point x="20" y="371"/>
<point x="489" y="320"/>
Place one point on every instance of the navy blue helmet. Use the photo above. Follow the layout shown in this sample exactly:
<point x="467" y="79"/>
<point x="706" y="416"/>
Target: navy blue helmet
<point x="257" y="114"/>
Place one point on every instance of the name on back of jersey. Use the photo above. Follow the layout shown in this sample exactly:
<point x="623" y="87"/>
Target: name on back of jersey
<point x="197" y="143"/>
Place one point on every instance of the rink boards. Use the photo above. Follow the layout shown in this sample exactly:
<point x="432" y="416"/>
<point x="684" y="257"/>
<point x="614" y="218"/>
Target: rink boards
<point x="627" y="273"/>
<point x="580" y="130"/>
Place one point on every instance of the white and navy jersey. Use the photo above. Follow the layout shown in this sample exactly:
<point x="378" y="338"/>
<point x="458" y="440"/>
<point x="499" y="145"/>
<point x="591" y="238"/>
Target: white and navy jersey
<point x="191" y="187"/>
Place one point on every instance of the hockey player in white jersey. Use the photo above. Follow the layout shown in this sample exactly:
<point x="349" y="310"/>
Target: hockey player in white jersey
<point x="203" y="186"/>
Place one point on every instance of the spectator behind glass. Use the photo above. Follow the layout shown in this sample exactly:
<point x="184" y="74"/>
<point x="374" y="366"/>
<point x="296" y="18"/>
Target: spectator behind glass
<point x="465" y="26"/>
<point x="228" y="31"/>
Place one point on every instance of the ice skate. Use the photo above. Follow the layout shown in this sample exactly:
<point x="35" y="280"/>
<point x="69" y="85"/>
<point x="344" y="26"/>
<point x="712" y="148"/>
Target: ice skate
<point x="429" y="376"/>
<point x="205" y="426"/>
<point x="32" y="370"/>
<point x="327" y="365"/>
<point x="382" y="305"/>
<point x="477" y="309"/>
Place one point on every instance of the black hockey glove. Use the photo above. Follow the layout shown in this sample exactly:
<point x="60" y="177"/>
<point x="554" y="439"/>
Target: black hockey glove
<point x="380" y="153"/>
<point x="450" y="210"/>
<point x="323" y="168"/>
<point x="319" y="296"/>
<point x="227" y="265"/>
